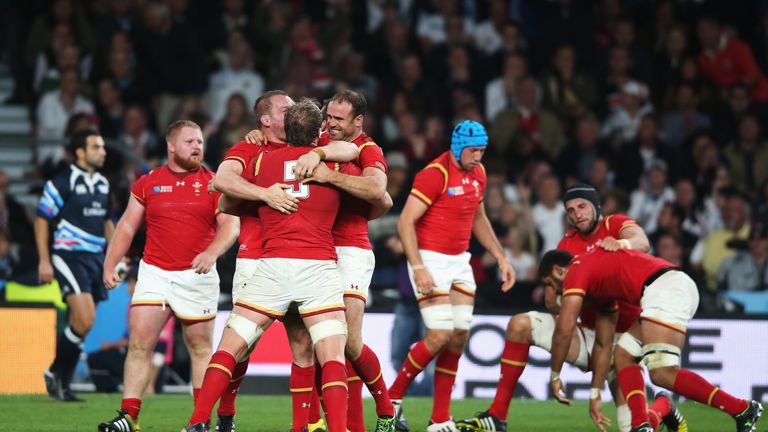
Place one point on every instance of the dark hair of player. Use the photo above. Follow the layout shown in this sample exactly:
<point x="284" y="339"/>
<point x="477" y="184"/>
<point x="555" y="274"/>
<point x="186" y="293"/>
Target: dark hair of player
<point x="263" y="104"/>
<point x="79" y="140"/>
<point x="551" y="259"/>
<point x="302" y="123"/>
<point x="357" y="100"/>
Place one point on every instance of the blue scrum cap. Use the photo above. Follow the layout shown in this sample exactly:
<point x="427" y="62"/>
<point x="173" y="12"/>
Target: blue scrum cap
<point x="467" y="134"/>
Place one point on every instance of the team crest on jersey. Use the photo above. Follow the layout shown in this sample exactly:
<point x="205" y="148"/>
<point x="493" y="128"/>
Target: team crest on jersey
<point x="456" y="191"/>
<point x="162" y="189"/>
<point x="197" y="185"/>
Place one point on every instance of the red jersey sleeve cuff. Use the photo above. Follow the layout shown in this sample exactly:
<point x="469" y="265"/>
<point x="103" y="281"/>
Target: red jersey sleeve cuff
<point x="574" y="292"/>
<point x="418" y="194"/>
<point x="138" y="198"/>
<point x="236" y="158"/>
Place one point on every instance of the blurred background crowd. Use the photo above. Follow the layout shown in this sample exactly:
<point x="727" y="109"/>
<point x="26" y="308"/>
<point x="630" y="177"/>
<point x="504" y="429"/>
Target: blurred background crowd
<point x="661" y="105"/>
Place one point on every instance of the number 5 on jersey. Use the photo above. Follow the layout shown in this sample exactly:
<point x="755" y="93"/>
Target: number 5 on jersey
<point x="289" y="176"/>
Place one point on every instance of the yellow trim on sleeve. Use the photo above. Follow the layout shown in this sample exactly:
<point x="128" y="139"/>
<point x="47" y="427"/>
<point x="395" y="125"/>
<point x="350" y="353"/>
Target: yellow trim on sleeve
<point x="574" y="291"/>
<point x="443" y="170"/>
<point x="237" y="158"/>
<point x="421" y="196"/>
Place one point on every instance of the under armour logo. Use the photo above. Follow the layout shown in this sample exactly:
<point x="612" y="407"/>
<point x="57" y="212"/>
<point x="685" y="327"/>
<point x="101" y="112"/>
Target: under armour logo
<point x="206" y="311"/>
<point x="179" y="183"/>
<point x="465" y="181"/>
<point x="353" y="286"/>
<point x="305" y="405"/>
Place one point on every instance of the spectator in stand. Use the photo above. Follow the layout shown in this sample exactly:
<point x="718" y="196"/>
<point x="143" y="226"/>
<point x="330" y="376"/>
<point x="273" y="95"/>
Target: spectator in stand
<point x="686" y="198"/>
<point x="726" y="118"/>
<point x="177" y="75"/>
<point x="576" y="160"/>
<point x="712" y="250"/>
<point x="57" y="106"/>
<point x="567" y="91"/>
<point x="647" y="201"/>
<point x="669" y="247"/>
<point x="110" y="109"/>
<point x="670" y="220"/>
<point x="616" y="77"/>
<point x="232" y="18"/>
<point x="623" y="35"/>
<point x="352" y="76"/>
<point x="748" y="156"/>
<point x="237" y="76"/>
<point x="541" y="125"/>
<point x="600" y="175"/>
<point x="634" y="158"/>
<point x="623" y="123"/>
<point x="500" y="92"/>
<point x="50" y="64"/>
<point x="519" y="258"/>
<point x="549" y="213"/>
<point x="679" y="124"/>
<point x="139" y="139"/>
<point x="487" y="34"/>
<point x="66" y="12"/>
<point x="232" y="128"/>
<point x="747" y="268"/>
<point x="398" y="176"/>
<point x="668" y="63"/>
<point x="726" y="60"/>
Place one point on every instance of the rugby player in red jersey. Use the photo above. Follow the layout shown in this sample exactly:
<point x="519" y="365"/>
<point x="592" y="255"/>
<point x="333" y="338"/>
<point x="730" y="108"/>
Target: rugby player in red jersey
<point x="235" y="178"/>
<point x="668" y="298"/>
<point x="443" y="211"/>
<point x="297" y="266"/>
<point x="177" y="275"/>
<point x="589" y="230"/>
<point x="365" y="184"/>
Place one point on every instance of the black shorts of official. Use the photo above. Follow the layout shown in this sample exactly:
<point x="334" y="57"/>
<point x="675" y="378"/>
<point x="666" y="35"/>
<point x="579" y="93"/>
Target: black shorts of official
<point x="79" y="273"/>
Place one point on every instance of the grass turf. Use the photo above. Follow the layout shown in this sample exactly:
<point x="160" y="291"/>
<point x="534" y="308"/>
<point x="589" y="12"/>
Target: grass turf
<point x="273" y="414"/>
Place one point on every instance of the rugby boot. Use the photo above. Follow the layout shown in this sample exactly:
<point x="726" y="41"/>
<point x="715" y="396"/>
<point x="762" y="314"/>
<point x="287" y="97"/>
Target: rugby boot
<point x="482" y="422"/>
<point x="747" y="420"/>
<point x="122" y="423"/>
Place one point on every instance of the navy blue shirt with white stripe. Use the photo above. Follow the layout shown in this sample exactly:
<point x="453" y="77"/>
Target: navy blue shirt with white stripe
<point x="78" y="201"/>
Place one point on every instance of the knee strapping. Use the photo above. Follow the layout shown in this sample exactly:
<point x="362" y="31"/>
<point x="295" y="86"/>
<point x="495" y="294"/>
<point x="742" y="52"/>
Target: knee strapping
<point x="245" y="328"/>
<point x="631" y="345"/>
<point x="327" y="328"/>
<point x="438" y="317"/>
<point x="462" y="316"/>
<point x="659" y="355"/>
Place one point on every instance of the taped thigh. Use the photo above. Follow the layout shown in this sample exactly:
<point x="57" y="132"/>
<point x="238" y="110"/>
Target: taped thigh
<point x="659" y="355"/>
<point x="462" y="316"/>
<point x="631" y="345"/>
<point x="542" y="329"/>
<point x="438" y="317"/>
<point x="245" y="328"/>
<point x="327" y="328"/>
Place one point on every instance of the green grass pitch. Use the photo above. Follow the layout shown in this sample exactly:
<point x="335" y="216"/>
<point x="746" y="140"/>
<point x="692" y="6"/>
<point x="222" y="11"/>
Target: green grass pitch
<point x="273" y="414"/>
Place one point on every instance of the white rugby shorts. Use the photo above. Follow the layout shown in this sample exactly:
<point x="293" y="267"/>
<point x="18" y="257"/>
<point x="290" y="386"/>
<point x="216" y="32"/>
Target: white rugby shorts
<point x="192" y="297"/>
<point x="450" y="272"/>
<point x="356" y="270"/>
<point x="244" y="270"/>
<point x="314" y="286"/>
<point x="671" y="300"/>
<point x="543" y="327"/>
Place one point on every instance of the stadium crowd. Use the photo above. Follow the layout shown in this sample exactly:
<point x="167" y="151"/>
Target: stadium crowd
<point x="660" y="105"/>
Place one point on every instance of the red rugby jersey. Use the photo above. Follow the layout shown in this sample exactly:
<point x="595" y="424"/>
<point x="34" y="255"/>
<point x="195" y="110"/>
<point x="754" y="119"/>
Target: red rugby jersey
<point x="606" y="277"/>
<point x="306" y="233"/>
<point x="180" y="215"/>
<point x="453" y="196"/>
<point x="576" y="243"/>
<point x="351" y="226"/>
<point x="250" y="227"/>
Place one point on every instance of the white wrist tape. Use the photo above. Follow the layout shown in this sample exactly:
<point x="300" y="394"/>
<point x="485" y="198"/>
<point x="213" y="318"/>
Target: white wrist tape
<point x="594" y="393"/>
